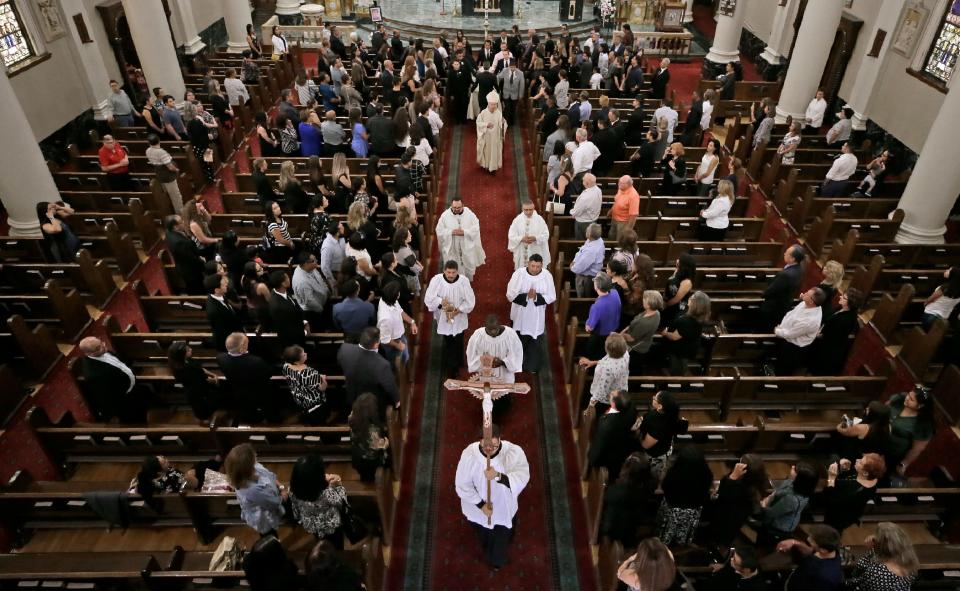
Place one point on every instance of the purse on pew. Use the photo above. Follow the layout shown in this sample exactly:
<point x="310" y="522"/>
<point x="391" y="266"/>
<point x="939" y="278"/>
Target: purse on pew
<point x="228" y="556"/>
<point x="353" y="527"/>
<point x="556" y="206"/>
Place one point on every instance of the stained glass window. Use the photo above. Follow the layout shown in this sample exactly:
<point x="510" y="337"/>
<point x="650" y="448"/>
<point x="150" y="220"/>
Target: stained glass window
<point x="942" y="58"/>
<point x="14" y="42"/>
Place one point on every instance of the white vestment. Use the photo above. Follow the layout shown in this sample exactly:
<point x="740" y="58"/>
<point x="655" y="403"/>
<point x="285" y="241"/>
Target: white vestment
<point x="534" y="226"/>
<point x="467" y="249"/>
<point x="506" y="346"/>
<point x="529" y="318"/>
<point x="472" y="483"/>
<point x="459" y="294"/>
<point x="490" y="139"/>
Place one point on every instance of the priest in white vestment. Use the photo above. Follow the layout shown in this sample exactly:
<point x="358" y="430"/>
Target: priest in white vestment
<point x="491" y="128"/>
<point x="458" y="232"/>
<point x="528" y="235"/>
<point x="530" y="291"/>
<point x="508" y="475"/>
<point x="450" y="297"/>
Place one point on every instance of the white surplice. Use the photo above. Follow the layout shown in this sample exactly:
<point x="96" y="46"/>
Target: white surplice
<point x="472" y="483"/>
<point x="459" y="294"/>
<point x="467" y="250"/>
<point x="506" y="346"/>
<point x="534" y="226"/>
<point x="529" y="318"/>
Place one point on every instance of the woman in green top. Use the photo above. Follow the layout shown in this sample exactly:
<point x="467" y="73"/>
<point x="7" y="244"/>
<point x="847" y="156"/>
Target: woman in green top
<point x="911" y="415"/>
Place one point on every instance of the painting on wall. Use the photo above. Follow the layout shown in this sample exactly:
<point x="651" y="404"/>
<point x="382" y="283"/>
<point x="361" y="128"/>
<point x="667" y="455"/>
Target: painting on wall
<point x="727" y="7"/>
<point x="50" y="19"/>
<point x="912" y="21"/>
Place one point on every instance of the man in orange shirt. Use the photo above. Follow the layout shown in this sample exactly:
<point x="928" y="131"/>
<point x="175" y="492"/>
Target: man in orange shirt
<point x="626" y="207"/>
<point x="114" y="162"/>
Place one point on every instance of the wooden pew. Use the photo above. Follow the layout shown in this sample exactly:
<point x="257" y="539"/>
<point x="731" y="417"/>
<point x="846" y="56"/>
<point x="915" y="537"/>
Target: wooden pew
<point x="63" y="310"/>
<point x="93" y="279"/>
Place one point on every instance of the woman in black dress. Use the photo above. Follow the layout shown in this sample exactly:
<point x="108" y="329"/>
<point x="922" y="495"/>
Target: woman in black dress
<point x="657" y="428"/>
<point x="679" y="289"/>
<point x="850" y="486"/>
<point x="683" y="337"/>
<point x="199" y="141"/>
<point x="269" y="142"/>
<point x="626" y="501"/>
<point x="674" y="169"/>
<point x="738" y="497"/>
<point x="376" y="188"/>
<point x="686" y="489"/>
<point x="199" y="384"/>
<point x="872" y="434"/>
<point x="368" y="440"/>
<point x="833" y="345"/>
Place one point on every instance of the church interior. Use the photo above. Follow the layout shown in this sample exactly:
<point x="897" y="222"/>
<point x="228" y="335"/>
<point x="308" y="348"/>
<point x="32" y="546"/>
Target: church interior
<point x="479" y="294"/>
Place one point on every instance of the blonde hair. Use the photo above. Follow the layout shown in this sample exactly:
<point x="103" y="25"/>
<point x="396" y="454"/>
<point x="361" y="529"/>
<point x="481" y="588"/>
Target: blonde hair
<point x="893" y="544"/>
<point x="604" y="100"/>
<point x="339" y="167"/>
<point x="832" y="273"/>
<point x="288" y="175"/>
<point x="725" y="189"/>
<point x="239" y="465"/>
<point x="677" y="148"/>
<point x="652" y="299"/>
<point x="615" y="345"/>
<point x="356" y="215"/>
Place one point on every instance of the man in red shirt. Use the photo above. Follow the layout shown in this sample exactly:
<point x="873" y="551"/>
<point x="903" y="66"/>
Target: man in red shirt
<point x="626" y="207"/>
<point x="114" y="162"/>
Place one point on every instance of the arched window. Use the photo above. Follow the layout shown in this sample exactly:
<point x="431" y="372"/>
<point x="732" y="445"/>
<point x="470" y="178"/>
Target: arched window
<point x="942" y="59"/>
<point x="15" y="44"/>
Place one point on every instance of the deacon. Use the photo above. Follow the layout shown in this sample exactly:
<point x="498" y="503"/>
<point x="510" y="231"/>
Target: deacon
<point x="450" y="298"/>
<point x="528" y="235"/>
<point x="530" y="290"/>
<point x="496" y="348"/>
<point x="491" y="128"/>
<point x="458" y="232"/>
<point x="492" y="510"/>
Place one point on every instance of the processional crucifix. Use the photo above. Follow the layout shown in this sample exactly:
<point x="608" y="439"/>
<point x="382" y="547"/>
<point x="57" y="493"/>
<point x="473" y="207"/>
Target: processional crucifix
<point x="482" y="387"/>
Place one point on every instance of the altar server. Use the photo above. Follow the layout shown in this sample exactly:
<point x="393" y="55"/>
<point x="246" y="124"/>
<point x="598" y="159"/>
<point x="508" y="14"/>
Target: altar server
<point x="496" y="348"/>
<point x="530" y="290"/>
<point x="458" y="232"/>
<point x="450" y="297"/>
<point x="528" y="235"/>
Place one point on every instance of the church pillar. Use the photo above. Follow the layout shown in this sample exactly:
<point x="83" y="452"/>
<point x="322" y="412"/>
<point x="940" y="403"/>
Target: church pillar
<point x="781" y="36"/>
<point x="688" y="13"/>
<point x="809" y="57"/>
<point x="89" y="60"/>
<point x="192" y="44"/>
<point x="288" y="12"/>
<point x="867" y="75"/>
<point x="726" y="42"/>
<point x="935" y="182"/>
<point x="236" y="15"/>
<point x="158" y="57"/>
<point x="25" y="179"/>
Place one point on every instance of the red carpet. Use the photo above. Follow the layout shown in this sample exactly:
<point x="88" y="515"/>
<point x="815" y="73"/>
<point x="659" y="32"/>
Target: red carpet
<point x="454" y="563"/>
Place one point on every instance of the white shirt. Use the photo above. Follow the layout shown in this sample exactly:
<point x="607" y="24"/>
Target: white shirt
<point x="471" y="483"/>
<point x="390" y="322"/>
<point x="529" y="319"/>
<point x="671" y="116"/>
<point x="801" y="325"/>
<point x="279" y="44"/>
<point x="815" y="112"/>
<point x="436" y="123"/>
<point x="942" y="306"/>
<point x="716" y="213"/>
<point x="587" y="206"/>
<point x="423" y="152"/>
<point x="459" y="294"/>
<point x="360" y="255"/>
<point x="705" y="163"/>
<point x="310" y="289"/>
<point x="707" y="118"/>
<point x="843" y="168"/>
<point x="583" y="157"/>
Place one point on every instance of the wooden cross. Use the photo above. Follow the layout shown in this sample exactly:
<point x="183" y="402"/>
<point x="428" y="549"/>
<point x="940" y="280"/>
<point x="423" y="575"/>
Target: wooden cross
<point x="481" y="387"/>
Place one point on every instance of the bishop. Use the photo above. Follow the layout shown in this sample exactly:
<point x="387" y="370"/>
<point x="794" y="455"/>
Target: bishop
<point x="491" y="128"/>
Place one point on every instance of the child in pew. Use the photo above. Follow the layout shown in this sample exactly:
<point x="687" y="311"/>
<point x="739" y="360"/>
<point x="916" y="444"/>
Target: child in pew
<point x="157" y="476"/>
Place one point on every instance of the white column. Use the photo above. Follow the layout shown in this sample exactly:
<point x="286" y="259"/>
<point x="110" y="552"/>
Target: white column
<point x="287" y="7"/>
<point x="781" y="35"/>
<point x="688" y="13"/>
<point x="183" y="10"/>
<point x="814" y="39"/>
<point x="726" y="41"/>
<point x="25" y="179"/>
<point x="89" y="60"/>
<point x="935" y="182"/>
<point x="151" y="37"/>
<point x="867" y="75"/>
<point x="236" y="15"/>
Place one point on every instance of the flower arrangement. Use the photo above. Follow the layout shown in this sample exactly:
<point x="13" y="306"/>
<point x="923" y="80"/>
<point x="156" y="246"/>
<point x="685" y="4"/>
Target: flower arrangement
<point x="607" y="9"/>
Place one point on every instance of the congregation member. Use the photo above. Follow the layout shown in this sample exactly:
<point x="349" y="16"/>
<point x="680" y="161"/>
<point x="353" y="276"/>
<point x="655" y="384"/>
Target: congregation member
<point x="366" y="370"/>
<point x="310" y="289"/>
<point x="248" y="378"/>
<point x="797" y="331"/>
<point x="778" y="297"/>
<point x="839" y="134"/>
<point x="714" y="221"/>
<point x="165" y="169"/>
<point x="588" y="262"/>
<point x="121" y="107"/>
<point x="109" y="384"/>
<point x="186" y="255"/>
<point x="116" y="163"/>
<point x="844" y="166"/>
<point x="287" y="318"/>
<point x="612" y="439"/>
<point x="352" y="314"/>
<point x="586" y="208"/>
<point x="625" y="209"/>
<point x="604" y="316"/>
<point x="815" y="112"/>
<point x="223" y="318"/>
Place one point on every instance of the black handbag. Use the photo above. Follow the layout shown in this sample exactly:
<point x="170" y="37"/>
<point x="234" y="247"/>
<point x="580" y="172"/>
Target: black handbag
<point x="353" y="527"/>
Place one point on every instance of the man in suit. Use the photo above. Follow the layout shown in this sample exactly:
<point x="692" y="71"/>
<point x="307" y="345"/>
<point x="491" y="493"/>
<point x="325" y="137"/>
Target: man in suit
<point x="336" y="44"/>
<point x="248" y="377"/>
<point x="286" y="316"/>
<point x="611" y="147"/>
<point x="378" y="38"/>
<point x="458" y="82"/>
<point x="486" y="53"/>
<point x="778" y="297"/>
<point x="380" y="130"/>
<point x="636" y="123"/>
<point x="366" y="370"/>
<point x="661" y="78"/>
<point x="424" y="124"/>
<point x="612" y="437"/>
<point x="396" y="47"/>
<point x="109" y="384"/>
<point x="263" y="184"/>
<point x="486" y="81"/>
<point x="223" y="319"/>
<point x="512" y="89"/>
<point x="547" y="123"/>
<point x="186" y="255"/>
<point x="386" y="81"/>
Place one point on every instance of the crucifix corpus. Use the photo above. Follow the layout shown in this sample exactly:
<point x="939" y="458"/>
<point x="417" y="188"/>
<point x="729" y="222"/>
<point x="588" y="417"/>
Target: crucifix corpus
<point x="482" y="388"/>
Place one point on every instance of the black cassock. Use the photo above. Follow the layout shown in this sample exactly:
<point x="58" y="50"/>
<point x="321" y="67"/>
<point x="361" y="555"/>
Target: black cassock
<point x="459" y="84"/>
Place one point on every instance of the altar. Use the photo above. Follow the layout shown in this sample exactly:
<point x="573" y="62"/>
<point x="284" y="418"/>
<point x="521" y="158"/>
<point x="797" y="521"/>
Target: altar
<point x="481" y="7"/>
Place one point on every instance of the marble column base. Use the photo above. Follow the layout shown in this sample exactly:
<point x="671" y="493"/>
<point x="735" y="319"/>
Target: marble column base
<point x="913" y="235"/>
<point x="712" y="69"/>
<point x="24" y="229"/>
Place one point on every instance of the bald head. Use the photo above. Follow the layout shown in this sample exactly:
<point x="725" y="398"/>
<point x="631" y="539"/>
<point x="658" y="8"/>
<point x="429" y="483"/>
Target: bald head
<point x="236" y="343"/>
<point x="625" y="182"/>
<point x="589" y="180"/>
<point x="92" y="347"/>
<point x="581" y="135"/>
<point x="331" y="115"/>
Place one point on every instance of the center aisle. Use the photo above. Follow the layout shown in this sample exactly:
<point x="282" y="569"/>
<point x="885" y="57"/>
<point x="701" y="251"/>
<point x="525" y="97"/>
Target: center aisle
<point x="442" y="550"/>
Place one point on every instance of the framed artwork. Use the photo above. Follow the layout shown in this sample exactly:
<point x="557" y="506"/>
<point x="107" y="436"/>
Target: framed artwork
<point x="50" y="19"/>
<point x="848" y="4"/>
<point x="913" y="18"/>
<point x="727" y="7"/>
<point x="375" y="14"/>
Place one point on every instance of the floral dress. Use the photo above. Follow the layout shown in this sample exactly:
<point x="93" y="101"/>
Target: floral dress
<point x="322" y="517"/>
